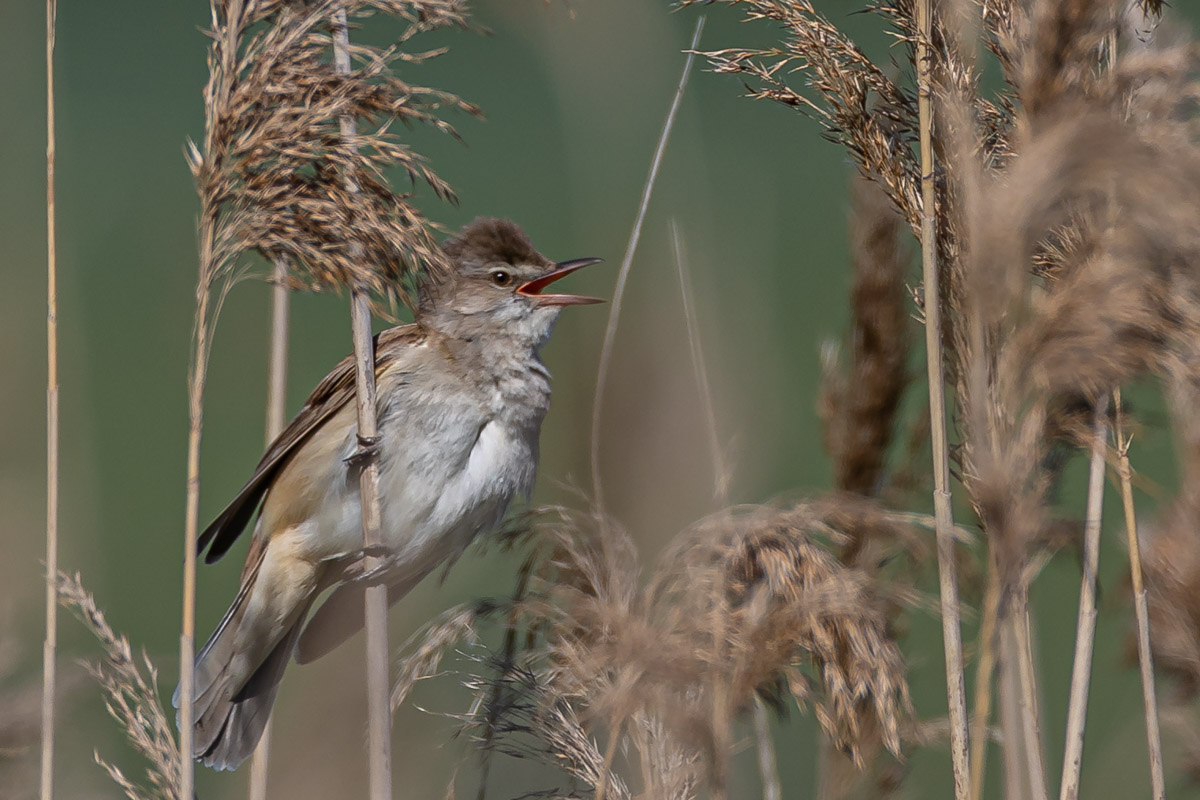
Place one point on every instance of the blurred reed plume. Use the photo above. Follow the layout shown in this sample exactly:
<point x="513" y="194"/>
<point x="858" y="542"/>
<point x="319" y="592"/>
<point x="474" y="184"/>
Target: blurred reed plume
<point x="130" y="686"/>
<point x="749" y="603"/>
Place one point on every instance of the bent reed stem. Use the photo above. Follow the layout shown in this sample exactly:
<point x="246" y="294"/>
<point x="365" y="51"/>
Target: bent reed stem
<point x="614" y="311"/>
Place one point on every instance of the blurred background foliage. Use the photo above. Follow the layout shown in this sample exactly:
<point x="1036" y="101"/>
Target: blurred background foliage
<point x="574" y="94"/>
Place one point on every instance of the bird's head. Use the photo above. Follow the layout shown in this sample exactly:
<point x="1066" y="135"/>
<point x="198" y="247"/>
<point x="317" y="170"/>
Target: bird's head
<point x="497" y="284"/>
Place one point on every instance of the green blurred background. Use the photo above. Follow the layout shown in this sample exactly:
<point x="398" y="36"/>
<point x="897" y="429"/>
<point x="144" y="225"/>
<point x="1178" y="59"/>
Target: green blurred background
<point x="575" y="94"/>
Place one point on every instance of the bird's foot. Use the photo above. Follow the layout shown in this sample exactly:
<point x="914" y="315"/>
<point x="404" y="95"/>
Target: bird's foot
<point x="368" y="451"/>
<point x="359" y="568"/>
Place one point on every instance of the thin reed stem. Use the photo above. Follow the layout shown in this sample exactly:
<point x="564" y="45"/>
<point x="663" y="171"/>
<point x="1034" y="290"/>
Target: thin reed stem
<point x="721" y="472"/>
<point x="610" y="752"/>
<point x="379" y="719"/>
<point x="983" y="680"/>
<point x="276" y="416"/>
<point x="943" y="514"/>
<point x="767" y="767"/>
<point x="187" y="635"/>
<point x="50" y="643"/>
<point x="1085" y="630"/>
<point x="1141" y="612"/>
<point x="1015" y="779"/>
<point x="1031" y="722"/>
<point x="614" y="310"/>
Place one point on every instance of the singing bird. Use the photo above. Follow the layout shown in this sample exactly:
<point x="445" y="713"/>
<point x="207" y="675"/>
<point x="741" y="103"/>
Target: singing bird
<point x="462" y="393"/>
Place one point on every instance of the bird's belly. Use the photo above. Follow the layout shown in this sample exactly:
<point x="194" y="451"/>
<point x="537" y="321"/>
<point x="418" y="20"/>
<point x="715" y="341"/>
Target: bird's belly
<point x="435" y="495"/>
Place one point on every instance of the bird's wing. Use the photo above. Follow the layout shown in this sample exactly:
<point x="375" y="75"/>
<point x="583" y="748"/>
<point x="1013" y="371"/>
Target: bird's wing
<point x="334" y="391"/>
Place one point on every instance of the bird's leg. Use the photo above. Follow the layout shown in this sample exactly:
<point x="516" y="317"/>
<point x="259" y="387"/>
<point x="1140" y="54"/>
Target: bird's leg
<point x="353" y="564"/>
<point x="368" y="450"/>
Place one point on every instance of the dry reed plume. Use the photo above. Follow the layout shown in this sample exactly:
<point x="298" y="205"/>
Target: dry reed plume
<point x="130" y="686"/>
<point x="751" y="602"/>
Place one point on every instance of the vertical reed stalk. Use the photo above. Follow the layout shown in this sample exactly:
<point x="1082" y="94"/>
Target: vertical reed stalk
<point x="379" y="743"/>
<point x="1031" y="722"/>
<point x="50" y="643"/>
<point x="944" y="520"/>
<point x="1142" y="614"/>
<point x="1085" y="631"/>
<point x="983" y="680"/>
<point x="276" y="416"/>
<point x="187" y="635"/>
<point x="614" y="311"/>
<point x="1015" y="779"/>
<point x="772" y="788"/>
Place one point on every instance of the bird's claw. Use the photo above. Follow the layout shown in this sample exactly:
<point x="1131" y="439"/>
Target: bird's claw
<point x="368" y="449"/>
<point x="357" y="570"/>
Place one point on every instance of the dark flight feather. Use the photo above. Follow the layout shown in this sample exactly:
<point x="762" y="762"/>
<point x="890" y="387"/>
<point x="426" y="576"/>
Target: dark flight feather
<point x="334" y="391"/>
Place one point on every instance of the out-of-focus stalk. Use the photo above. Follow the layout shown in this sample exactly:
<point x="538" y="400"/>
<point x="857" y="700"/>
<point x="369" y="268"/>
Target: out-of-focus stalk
<point x="50" y="644"/>
<point x="276" y="415"/>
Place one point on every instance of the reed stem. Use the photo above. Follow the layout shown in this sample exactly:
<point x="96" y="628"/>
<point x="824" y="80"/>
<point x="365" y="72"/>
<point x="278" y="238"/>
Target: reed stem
<point x="276" y="416"/>
<point x="614" y="311"/>
<point x="379" y="745"/>
<point x="1141" y="612"/>
<point x="187" y="636"/>
<point x="943" y="514"/>
<point x="50" y="643"/>
<point x="1085" y="630"/>
<point x="1015" y="779"/>
<point x="983" y="680"/>
<point x="1031" y="721"/>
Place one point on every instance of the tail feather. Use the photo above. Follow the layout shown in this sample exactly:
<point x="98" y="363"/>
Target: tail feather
<point x="230" y="721"/>
<point x="238" y="672"/>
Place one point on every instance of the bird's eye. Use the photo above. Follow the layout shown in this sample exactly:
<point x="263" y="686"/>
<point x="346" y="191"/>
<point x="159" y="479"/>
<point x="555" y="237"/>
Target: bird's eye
<point x="501" y="278"/>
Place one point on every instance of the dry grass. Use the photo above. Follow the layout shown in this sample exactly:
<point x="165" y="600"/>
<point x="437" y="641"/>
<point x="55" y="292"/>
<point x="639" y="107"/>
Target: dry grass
<point x="131" y="693"/>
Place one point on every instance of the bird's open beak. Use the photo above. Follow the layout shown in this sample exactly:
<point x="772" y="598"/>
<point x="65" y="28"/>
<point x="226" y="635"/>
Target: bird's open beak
<point x="564" y="268"/>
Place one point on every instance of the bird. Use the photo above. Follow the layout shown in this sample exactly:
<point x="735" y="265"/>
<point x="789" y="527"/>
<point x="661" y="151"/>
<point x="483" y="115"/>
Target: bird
<point x="462" y="392"/>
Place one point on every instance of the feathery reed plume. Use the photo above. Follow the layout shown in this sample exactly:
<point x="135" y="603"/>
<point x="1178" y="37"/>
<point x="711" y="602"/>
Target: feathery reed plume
<point x="283" y="171"/>
<point x="132" y="700"/>
<point x="859" y="106"/>
<point x="276" y="417"/>
<point x="50" y="645"/>
<point x="858" y="404"/>
<point x="614" y="309"/>
<point x="748" y="605"/>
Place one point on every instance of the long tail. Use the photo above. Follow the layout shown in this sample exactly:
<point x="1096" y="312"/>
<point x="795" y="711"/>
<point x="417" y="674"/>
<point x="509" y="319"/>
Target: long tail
<point x="237" y="677"/>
